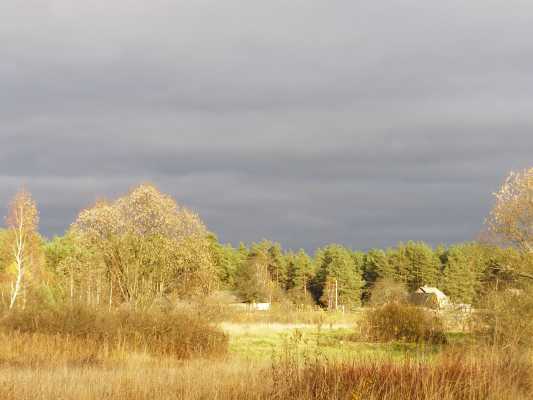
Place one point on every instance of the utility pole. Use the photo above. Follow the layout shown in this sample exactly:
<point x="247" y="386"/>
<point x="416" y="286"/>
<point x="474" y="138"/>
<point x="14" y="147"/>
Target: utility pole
<point x="328" y="288"/>
<point x="336" y="295"/>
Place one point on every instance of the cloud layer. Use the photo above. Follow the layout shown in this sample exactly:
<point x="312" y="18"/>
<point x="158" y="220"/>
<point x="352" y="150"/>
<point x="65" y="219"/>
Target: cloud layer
<point x="304" y="122"/>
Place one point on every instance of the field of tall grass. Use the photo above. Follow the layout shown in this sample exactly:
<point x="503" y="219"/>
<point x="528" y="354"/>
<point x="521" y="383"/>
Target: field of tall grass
<point x="80" y="335"/>
<point x="450" y="376"/>
<point x="87" y="355"/>
<point x="142" y="377"/>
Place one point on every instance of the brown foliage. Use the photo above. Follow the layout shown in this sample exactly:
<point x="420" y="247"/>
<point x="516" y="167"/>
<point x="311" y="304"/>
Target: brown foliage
<point x="506" y="318"/>
<point x="454" y="377"/>
<point x="93" y="334"/>
<point x="143" y="246"/>
<point x="403" y="322"/>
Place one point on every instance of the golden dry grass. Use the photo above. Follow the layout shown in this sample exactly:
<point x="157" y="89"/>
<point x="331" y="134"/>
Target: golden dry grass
<point x="143" y="377"/>
<point x="451" y="377"/>
<point x="137" y="379"/>
<point x="67" y="360"/>
<point x="92" y="334"/>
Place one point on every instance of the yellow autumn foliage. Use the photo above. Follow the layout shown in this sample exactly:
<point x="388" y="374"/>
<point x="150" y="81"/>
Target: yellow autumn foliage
<point x="140" y="247"/>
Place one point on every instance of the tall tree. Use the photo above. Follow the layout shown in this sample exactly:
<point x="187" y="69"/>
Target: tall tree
<point x="377" y="266"/>
<point x="511" y="219"/>
<point x="424" y="265"/>
<point x="505" y="268"/>
<point x="277" y="266"/>
<point x="358" y="258"/>
<point x="253" y="282"/>
<point x="460" y="276"/>
<point x="22" y="221"/>
<point x="301" y="270"/>
<point x="227" y="261"/>
<point x="82" y="276"/>
<point x="399" y="260"/>
<point x="337" y="278"/>
<point x="149" y="245"/>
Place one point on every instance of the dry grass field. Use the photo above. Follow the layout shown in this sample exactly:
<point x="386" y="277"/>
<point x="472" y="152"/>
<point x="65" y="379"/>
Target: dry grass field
<point x="259" y="361"/>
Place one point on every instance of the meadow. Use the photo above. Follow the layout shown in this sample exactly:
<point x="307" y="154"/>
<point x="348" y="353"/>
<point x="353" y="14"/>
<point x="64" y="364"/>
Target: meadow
<point x="100" y="355"/>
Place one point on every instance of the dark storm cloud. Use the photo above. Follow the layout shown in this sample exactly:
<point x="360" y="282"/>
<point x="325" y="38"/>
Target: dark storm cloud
<point x="363" y="123"/>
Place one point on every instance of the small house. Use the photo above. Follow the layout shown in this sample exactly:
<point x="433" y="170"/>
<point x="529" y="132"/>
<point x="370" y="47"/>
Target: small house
<point x="430" y="297"/>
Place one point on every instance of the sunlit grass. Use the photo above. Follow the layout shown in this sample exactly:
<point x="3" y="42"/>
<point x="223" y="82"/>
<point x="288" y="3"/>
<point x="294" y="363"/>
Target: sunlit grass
<point x="264" y="361"/>
<point x="260" y="343"/>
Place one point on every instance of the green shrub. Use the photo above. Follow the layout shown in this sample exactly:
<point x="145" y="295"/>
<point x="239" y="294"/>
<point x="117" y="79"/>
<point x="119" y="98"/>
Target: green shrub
<point x="402" y="322"/>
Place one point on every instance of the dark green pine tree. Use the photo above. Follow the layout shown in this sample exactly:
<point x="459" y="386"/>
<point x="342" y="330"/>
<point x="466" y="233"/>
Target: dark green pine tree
<point x="277" y="266"/>
<point x="227" y="261"/>
<point x="463" y="269"/>
<point x="377" y="267"/>
<point x="359" y="258"/>
<point x="424" y="265"/>
<point x="337" y="279"/>
<point x="301" y="271"/>
<point x="459" y="278"/>
<point x="398" y="259"/>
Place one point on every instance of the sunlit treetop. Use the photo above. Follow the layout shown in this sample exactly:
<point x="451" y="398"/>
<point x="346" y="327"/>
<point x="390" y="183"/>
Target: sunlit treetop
<point x="144" y="211"/>
<point x="511" y="219"/>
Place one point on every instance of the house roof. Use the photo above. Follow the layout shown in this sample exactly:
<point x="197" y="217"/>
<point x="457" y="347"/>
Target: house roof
<point x="432" y="290"/>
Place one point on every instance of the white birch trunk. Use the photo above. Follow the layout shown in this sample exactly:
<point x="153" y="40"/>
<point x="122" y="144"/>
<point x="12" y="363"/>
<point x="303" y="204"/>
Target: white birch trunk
<point x="19" y="259"/>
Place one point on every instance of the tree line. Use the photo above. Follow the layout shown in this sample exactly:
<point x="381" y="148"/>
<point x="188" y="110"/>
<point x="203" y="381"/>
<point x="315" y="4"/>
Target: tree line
<point x="144" y="247"/>
<point x="337" y="275"/>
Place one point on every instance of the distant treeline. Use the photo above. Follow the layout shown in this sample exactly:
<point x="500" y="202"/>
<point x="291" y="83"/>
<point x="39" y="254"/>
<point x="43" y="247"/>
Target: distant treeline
<point x="144" y="248"/>
<point x="264" y="271"/>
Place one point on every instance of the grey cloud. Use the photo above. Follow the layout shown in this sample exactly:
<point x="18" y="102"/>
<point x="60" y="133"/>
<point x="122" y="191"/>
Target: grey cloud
<point x="362" y="123"/>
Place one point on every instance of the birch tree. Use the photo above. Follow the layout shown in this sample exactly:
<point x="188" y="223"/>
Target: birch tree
<point x="22" y="221"/>
<point x="253" y="281"/>
<point x="149" y="246"/>
<point x="511" y="219"/>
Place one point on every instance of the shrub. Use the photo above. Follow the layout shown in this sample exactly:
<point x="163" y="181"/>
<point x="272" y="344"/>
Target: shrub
<point x="174" y="334"/>
<point x="506" y="318"/>
<point x="402" y="322"/>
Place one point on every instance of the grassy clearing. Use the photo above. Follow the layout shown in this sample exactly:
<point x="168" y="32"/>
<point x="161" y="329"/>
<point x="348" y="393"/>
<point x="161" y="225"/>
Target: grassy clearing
<point x="280" y="314"/>
<point x="261" y="342"/>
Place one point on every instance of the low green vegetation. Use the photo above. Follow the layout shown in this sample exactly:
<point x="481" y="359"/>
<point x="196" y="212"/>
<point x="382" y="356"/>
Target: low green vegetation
<point x="264" y="342"/>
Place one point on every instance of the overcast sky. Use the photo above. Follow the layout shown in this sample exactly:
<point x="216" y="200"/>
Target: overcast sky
<point x="303" y="121"/>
